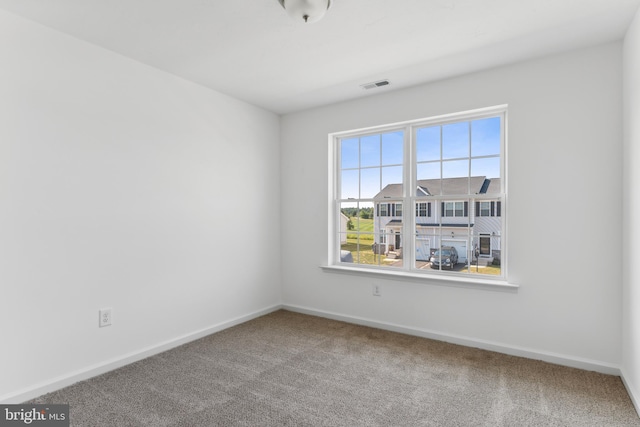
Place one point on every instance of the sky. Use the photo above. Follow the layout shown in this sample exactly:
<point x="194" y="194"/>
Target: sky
<point x="462" y="149"/>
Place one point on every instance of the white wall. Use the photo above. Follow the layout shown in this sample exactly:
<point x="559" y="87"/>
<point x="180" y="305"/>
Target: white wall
<point x="631" y="198"/>
<point x="122" y="186"/>
<point x="564" y="211"/>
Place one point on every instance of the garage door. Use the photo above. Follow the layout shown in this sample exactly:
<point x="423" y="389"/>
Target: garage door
<point x="461" y="247"/>
<point x="423" y="249"/>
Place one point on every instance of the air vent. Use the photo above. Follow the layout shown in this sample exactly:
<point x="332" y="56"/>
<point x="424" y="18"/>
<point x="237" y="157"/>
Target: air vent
<point x="374" y="85"/>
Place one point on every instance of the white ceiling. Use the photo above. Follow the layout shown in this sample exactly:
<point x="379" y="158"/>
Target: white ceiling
<point x="252" y="50"/>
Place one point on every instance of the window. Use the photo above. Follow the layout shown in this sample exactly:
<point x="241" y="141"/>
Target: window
<point x="455" y="209"/>
<point x="449" y="169"/>
<point x="421" y="209"/>
<point x="485" y="208"/>
<point x="488" y="208"/>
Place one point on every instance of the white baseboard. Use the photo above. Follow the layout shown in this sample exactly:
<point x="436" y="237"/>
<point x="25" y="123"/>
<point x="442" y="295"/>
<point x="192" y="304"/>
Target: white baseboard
<point x="633" y="394"/>
<point x="558" y="359"/>
<point x="109" y="365"/>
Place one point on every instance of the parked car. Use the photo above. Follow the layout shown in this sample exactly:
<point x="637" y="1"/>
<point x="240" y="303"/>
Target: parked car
<point x="447" y="256"/>
<point x="345" y="256"/>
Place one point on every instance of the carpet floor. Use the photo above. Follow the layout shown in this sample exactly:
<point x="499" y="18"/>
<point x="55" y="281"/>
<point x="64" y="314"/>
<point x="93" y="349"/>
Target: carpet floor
<point x="290" y="369"/>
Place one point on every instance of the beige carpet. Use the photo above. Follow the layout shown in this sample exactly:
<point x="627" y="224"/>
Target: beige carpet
<point x="289" y="369"/>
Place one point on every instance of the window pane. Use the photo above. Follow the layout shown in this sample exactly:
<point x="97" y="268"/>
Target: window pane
<point x="350" y="184"/>
<point x="362" y="252"/>
<point x="455" y="140"/>
<point x="348" y="218"/>
<point x="428" y="171"/>
<point x="485" y="137"/>
<point x="486" y="255"/>
<point x="423" y="247"/>
<point x="365" y="214"/>
<point x="489" y="167"/>
<point x="392" y="152"/>
<point x="349" y="153"/>
<point x="455" y="169"/>
<point x="392" y="175"/>
<point x="370" y="151"/>
<point x="370" y="182"/>
<point x="428" y="144"/>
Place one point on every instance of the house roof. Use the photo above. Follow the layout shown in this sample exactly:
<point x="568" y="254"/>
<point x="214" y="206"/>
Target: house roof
<point x="494" y="185"/>
<point x="450" y="186"/>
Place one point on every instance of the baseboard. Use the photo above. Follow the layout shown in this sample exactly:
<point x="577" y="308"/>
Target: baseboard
<point x="109" y="365"/>
<point x="558" y="359"/>
<point x="633" y="393"/>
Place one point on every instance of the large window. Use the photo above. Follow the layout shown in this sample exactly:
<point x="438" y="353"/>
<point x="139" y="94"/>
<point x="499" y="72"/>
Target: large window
<point x="450" y="172"/>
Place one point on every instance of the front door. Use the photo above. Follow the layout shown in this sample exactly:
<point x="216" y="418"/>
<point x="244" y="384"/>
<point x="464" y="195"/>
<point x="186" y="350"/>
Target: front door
<point x="485" y="245"/>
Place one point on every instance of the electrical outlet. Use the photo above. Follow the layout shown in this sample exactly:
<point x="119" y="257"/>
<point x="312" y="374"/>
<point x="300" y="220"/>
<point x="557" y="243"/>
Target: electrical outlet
<point x="105" y="317"/>
<point x="376" y="290"/>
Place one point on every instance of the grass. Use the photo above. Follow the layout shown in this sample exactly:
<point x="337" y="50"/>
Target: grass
<point x="489" y="269"/>
<point x="362" y="226"/>
<point x="364" y="251"/>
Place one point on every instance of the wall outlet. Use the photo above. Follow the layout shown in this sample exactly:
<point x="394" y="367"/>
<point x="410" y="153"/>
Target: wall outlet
<point x="105" y="317"/>
<point x="376" y="290"/>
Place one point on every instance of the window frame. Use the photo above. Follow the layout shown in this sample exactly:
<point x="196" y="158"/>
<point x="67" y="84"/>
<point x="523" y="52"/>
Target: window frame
<point x="409" y="198"/>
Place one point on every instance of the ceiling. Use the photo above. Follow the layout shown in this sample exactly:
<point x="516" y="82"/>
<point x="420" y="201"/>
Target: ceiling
<point x="252" y="50"/>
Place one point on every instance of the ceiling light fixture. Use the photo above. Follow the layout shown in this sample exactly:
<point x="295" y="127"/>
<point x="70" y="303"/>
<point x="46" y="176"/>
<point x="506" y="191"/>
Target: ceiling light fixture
<point x="307" y="10"/>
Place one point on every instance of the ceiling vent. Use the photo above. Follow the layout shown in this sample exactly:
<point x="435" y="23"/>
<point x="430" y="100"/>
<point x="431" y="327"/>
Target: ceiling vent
<point x="374" y="85"/>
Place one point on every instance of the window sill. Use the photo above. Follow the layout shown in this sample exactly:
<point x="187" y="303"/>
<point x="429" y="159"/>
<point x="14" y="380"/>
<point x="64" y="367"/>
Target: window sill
<point x="431" y="279"/>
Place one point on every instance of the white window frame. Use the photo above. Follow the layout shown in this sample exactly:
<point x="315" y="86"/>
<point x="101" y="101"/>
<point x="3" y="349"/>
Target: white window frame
<point x="409" y="198"/>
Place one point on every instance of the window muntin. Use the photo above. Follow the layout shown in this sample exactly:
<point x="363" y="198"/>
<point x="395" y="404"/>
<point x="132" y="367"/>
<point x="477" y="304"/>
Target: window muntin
<point x="454" y="163"/>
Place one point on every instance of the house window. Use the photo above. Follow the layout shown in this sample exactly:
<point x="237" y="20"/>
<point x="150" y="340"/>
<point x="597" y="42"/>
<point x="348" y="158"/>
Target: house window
<point x="453" y="209"/>
<point x="485" y="208"/>
<point x="421" y="209"/>
<point x="453" y="164"/>
<point x="492" y="208"/>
